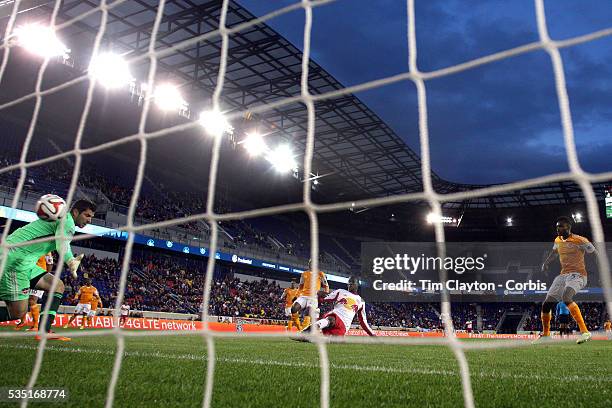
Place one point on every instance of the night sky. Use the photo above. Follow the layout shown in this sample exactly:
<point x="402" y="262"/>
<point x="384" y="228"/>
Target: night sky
<point x="493" y="124"/>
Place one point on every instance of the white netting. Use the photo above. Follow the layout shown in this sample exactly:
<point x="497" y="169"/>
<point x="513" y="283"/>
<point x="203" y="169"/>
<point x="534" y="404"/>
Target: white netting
<point x="576" y="174"/>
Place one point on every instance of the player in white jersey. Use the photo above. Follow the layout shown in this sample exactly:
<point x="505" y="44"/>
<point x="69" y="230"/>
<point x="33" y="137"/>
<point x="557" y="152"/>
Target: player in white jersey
<point x="125" y="313"/>
<point x="347" y="304"/>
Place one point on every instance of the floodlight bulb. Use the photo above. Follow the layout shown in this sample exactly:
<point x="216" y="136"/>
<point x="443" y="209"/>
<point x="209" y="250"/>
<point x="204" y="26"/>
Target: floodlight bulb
<point x="431" y="218"/>
<point x="254" y="144"/>
<point x="167" y="97"/>
<point x="214" y="122"/>
<point x="282" y="159"/>
<point x="110" y="70"/>
<point x="40" y="40"/>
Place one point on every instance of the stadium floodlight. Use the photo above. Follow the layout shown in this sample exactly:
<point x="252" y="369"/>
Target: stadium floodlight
<point x="168" y="98"/>
<point x="215" y="123"/>
<point x="283" y="159"/>
<point x="41" y="40"/>
<point x="254" y="144"/>
<point x="509" y="221"/>
<point x="431" y="218"/>
<point x="577" y="217"/>
<point x="110" y="70"/>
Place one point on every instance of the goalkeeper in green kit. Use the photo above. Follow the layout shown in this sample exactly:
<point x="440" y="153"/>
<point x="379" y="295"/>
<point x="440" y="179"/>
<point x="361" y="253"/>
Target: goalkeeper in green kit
<point x="21" y="273"/>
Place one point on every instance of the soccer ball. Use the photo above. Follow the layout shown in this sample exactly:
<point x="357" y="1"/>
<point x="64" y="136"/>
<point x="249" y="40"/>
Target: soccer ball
<point x="50" y="207"/>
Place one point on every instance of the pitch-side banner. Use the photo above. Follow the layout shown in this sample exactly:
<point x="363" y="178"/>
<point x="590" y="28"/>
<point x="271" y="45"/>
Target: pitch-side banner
<point x="461" y="335"/>
<point x="473" y="271"/>
<point x="137" y="323"/>
<point x="132" y="323"/>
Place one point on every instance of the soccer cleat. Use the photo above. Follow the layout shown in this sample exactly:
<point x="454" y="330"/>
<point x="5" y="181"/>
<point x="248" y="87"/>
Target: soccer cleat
<point x="53" y="337"/>
<point x="310" y="329"/>
<point x="65" y="326"/>
<point x="542" y="339"/>
<point x="20" y="325"/>
<point x="60" y="338"/>
<point x="584" y="337"/>
<point x="302" y="338"/>
<point x="81" y="328"/>
<point x="33" y="329"/>
<point x="306" y="329"/>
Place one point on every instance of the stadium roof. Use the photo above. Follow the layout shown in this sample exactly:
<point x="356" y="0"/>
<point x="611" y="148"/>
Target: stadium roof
<point x="359" y="155"/>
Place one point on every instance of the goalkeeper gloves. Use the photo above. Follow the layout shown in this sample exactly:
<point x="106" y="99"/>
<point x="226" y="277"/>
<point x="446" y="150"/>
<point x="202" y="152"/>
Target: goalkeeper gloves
<point x="73" y="265"/>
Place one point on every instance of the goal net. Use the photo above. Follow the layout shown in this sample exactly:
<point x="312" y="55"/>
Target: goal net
<point x="157" y="50"/>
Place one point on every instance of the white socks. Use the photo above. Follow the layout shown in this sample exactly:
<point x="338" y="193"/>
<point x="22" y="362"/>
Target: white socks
<point x="321" y="324"/>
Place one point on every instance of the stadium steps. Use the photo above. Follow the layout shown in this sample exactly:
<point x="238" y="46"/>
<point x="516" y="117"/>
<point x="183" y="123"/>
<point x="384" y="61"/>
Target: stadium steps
<point x="204" y="225"/>
<point x="223" y="230"/>
<point x="501" y="320"/>
<point x="432" y="307"/>
<point x="337" y="259"/>
<point x="345" y="251"/>
<point x="139" y="272"/>
<point x="330" y="247"/>
<point x="275" y="242"/>
<point x="521" y="324"/>
<point x="509" y="322"/>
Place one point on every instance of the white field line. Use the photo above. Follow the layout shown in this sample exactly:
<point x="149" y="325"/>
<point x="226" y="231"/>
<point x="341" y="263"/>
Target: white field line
<point x="604" y="377"/>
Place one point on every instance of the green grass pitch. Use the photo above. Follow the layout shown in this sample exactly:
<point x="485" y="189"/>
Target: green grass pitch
<point x="171" y="371"/>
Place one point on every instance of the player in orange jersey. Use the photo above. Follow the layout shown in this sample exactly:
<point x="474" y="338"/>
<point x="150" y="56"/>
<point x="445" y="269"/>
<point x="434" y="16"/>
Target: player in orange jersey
<point x="85" y="295"/>
<point x="290" y="294"/>
<point x="307" y="298"/>
<point x="608" y="328"/>
<point x="95" y="303"/>
<point x="570" y="249"/>
<point x="45" y="263"/>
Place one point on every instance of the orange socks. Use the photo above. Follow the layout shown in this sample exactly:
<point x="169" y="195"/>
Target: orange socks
<point x="546" y="323"/>
<point x="35" y="311"/>
<point x="575" y="311"/>
<point x="295" y="318"/>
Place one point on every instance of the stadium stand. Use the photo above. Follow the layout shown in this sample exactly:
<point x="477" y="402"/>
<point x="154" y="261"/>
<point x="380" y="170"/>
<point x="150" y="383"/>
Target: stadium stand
<point x="162" y="204"/>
